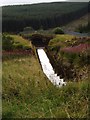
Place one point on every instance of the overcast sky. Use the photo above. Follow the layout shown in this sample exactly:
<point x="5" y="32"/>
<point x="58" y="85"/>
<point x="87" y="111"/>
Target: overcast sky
<point x="17" y="2"/>
<point x="14" y="2"/>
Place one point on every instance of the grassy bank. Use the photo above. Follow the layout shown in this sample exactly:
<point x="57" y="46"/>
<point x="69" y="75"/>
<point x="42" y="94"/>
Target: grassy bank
<point x="27" y="93"/>
<point x="19" y="41"/>
<point x="70" y="55"/>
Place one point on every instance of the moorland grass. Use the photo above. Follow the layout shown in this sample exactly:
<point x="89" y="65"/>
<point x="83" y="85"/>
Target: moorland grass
<point x="27" y="93"/>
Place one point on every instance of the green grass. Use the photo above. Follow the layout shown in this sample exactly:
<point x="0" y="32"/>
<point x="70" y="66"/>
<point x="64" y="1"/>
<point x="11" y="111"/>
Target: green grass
<point x="21" y="41"/>
<point x="74" y="66"/>
<point x="59" y="40"/>
<point x="27" y="93"/>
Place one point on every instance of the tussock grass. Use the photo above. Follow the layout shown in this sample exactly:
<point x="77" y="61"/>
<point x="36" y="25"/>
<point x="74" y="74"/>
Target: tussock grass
<point x="27" y="93"/>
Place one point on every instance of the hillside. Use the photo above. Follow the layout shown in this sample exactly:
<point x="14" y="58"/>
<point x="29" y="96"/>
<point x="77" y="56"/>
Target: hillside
<point x="75" y="24"/>
<point x="46" y="15"/>
<point x="26" y="90"/>
<point x="27" y="93"/>
<point x="70" y="56"/>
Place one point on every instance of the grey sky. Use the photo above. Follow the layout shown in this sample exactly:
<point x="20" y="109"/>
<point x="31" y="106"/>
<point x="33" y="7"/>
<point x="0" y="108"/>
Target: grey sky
<point x="15" y="2"/>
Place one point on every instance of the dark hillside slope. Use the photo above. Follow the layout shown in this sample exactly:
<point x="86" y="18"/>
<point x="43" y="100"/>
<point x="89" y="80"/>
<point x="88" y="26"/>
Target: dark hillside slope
<point x="45" y="15"/>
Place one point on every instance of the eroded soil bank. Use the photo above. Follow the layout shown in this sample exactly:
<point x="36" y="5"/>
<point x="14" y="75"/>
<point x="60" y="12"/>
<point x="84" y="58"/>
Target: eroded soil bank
<point x="70" y="65"/>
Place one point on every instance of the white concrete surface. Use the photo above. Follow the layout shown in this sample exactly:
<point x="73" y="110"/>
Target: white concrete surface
<point x="48" y="69"/>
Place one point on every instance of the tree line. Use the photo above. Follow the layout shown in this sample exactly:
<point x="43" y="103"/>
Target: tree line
<point x="46" y="15"/>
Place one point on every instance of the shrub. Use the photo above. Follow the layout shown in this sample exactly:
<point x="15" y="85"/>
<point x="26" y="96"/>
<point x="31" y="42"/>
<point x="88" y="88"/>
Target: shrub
<point x="58" y="30"/>
<point x="7" y="42"/>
